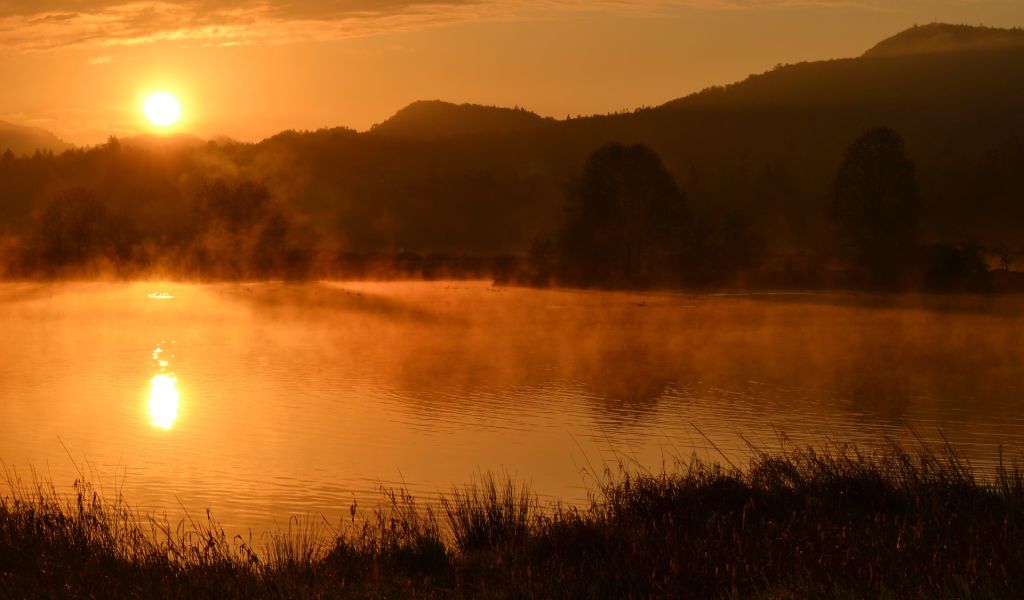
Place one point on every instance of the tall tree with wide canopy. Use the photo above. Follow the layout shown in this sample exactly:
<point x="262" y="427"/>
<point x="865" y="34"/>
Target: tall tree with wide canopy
<point x="626" y="220"/>
<point x="876" y="204"/>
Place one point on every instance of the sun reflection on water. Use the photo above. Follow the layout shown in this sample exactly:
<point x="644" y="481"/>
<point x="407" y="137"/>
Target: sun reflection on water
<point x="163" y="400"/>
<point x="163" y="391"/>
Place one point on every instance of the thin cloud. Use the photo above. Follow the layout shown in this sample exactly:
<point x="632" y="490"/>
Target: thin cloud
<point x="25" y="27"/>
<point x="30" y="25"/>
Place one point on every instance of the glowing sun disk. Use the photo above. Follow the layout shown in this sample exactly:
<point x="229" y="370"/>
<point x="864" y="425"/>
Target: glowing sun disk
<point x="162" y="109"/>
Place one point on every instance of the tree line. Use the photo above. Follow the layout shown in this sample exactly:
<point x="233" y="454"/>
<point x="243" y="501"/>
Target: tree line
<point x="335" y="204"/>
<point x="628" y="224"/>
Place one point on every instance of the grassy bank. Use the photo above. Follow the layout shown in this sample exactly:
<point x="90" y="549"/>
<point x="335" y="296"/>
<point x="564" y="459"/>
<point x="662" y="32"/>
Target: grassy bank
<point x="797" y="523"/>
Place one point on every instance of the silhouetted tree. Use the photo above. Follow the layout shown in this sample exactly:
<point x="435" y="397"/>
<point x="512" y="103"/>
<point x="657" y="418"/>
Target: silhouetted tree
<point x="233" y="207"/>
<point x="956" y="267"/>
<point x="626" y="220"/>
<point x="542" y="261"/>
<point x="740" y="248"/>
<point x="875" y="202"/>
<point x="1003" y="255"/>
<point x="242" y="232"/>
<point x="73" y="229"/>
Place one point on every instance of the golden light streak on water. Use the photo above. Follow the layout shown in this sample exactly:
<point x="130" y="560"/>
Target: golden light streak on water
<point x="163" y="400"/>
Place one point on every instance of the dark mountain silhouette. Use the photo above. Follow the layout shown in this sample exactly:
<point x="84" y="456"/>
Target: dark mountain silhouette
<point x="759" y="156"/>
<point x="943" y="37"/>
<point x="20" y="139"/>
<point x="428" y="119"/>
<point x="767" y="147"/>
<point x="770" y="145"/>
<point x="964" y="82"/>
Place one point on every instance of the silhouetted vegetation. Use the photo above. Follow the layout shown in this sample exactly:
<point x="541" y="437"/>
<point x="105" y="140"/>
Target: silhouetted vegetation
<point x="875" y="202"/>
<point x="242" y="232"/>
<point x="627" y="222"/>
<point x="76" y="230"/>
<point x="804" y="523"/>
<point x="765" y="166"/>
<point x="956" y="267"/>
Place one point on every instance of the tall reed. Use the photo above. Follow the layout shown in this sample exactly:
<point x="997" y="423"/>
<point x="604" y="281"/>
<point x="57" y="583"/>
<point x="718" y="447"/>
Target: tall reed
<point x="836" y="521"/>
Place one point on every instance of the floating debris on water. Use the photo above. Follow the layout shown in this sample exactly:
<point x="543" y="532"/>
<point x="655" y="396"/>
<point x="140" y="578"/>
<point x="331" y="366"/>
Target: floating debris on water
<point x="160" y="296"/>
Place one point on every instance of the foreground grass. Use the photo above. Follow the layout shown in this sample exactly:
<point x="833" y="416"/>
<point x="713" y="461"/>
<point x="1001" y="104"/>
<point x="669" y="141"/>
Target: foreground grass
<point x="797" y="523"/>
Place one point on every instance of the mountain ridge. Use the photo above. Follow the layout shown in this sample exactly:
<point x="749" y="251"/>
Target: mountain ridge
<point x="765" y="149"/>
<point x="427" y="119"/>
<point x="24" y="139"/>
<point x="932" y="44"/>
<point x="936" y="38"/>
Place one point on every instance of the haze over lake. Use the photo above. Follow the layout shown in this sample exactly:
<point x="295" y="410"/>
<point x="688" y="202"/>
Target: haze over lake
<point x="264" y="401"/>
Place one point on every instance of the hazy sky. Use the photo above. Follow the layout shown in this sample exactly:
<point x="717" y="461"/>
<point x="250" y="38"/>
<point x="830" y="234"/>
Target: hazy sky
<point x="250" y="69"/>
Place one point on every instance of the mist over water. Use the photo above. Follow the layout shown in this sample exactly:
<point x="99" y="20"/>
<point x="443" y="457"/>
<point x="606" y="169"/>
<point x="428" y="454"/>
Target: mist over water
<point x="263" y="401"/>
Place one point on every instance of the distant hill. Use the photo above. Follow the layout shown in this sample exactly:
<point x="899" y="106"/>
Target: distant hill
<point x="441" y="177"/>
<point x="770" y="145"/>
<point x="883" y="83"/>
<point x="943" y="37"/>
<point x="465" y="178"/>
<point x="428" y="119"/>
<point x="20" y="139"/>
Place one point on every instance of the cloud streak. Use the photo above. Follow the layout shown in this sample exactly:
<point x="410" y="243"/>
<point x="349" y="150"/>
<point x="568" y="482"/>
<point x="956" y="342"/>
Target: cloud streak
<point x="33" y="25"/>
<point x="57" y="24"/>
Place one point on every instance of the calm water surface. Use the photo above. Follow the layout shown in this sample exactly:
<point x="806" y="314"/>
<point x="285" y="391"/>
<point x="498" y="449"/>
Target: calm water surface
<point x="271" y="400"/>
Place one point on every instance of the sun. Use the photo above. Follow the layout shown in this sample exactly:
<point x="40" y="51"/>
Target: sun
<point x="162" y="109"/>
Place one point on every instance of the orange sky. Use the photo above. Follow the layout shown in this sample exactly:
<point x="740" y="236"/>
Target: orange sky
<point x="250" y="69"/>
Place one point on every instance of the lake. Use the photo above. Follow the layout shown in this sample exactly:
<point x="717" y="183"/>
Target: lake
<point x="265" y="401"/>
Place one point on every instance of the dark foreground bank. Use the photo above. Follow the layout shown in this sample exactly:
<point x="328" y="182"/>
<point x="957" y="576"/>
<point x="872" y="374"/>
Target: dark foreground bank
<point x="798" y="523"/>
